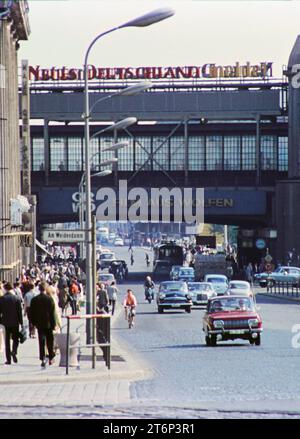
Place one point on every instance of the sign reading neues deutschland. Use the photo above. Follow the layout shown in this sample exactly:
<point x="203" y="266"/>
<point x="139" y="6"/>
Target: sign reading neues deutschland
<point x="210" y="70"/>
<point x="64" y="235"/>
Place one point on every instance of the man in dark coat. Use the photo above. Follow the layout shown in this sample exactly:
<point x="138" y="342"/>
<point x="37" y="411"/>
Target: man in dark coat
<point x="11" y="317"/>
<point x="42" y="310"/>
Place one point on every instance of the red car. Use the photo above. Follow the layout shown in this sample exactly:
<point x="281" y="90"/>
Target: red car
<point x="231" y="317"/>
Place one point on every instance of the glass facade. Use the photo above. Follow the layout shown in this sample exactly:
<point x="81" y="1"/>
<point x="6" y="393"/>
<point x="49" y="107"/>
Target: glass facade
<point x="205" y="153"/>
<point x="248" y="153"/>
<point x="38" y="156"/>
<point x="214" y="157"/>
<point x="232" y="153"/>
<point x="177" y="153"/>
<point x="268" y="153"/>
<point x="196" y="153"/>
<point x="283" y="153"/>
<point x="161" y="153"/>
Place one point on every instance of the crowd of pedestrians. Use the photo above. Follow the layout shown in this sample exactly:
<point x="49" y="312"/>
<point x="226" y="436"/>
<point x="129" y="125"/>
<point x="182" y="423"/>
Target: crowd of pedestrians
<point x="44" y="294"/>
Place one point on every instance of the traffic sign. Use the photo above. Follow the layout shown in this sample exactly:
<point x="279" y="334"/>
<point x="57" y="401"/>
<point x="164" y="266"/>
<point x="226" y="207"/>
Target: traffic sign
<point x="64" y="235"/>
<point x="260" y="243"/>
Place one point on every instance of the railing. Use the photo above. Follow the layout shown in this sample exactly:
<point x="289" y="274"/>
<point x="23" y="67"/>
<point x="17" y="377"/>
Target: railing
<point x="284" y="289"/>
<point x="103" y="337"/>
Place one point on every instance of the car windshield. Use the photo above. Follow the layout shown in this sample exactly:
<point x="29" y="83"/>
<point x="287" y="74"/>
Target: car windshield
<point x="199" y="287"/>
<point x="107" y="256"/>
<point x="231" y="304"/>
<point x="176" y="286"/>
<point x="240" y="286"/>
<point x="217" y="280"/>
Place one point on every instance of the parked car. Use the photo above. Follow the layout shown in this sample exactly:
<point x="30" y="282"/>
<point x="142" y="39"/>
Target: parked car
<point x="174" y="271"/>
<point x="106" y="259"/>
<point x="219" y="282"/>
<point x="187" y="274"/>
<point x="119" y="269"/>
<point x="201" y="292"/>
<point x="119" y="242"/>
<point x="281" y="274"/>
<point x="230" y="318"/>
<point x="106" y="278"/>
<point x="173" y="295"/>
<point x="239" y="287"/>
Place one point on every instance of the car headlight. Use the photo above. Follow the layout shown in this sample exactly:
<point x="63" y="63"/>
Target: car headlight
<point x="253" y="322"/>
<point x="218" y="324"/>
<point x="162" y="296"/>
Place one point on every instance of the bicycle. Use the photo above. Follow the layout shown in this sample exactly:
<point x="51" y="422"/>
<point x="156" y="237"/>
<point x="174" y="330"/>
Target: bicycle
<point x="130" y="315"/>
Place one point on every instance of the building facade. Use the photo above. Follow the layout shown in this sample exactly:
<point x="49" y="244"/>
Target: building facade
<point x="14" y="27"/>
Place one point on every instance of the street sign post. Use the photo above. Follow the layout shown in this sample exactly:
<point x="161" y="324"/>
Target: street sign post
<point x="64" y="235"/>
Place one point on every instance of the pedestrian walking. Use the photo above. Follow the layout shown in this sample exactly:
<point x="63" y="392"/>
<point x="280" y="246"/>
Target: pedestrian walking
<point x="63" y="291"/>
<point x="73" y="293"/>
<point x="27" y="301"/>
<point x="42" y="310"/>
<point x="11" y="318"/>
<point x="102" y="297"/>
<point x="112" y="292"/>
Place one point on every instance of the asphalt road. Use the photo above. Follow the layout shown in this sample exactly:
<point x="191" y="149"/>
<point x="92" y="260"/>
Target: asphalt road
<point x="233" y="376"/>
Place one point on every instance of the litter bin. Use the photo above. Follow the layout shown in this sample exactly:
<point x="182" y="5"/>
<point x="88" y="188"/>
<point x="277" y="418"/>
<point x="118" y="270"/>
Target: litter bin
<point x="61" y="340"/>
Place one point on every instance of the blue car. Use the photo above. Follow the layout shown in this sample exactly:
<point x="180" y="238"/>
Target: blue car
<point x="187" y="274"/>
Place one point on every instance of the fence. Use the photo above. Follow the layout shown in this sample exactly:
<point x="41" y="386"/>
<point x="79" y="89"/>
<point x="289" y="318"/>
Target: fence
<point x="284" y="288"/>
<point x="101" y="332"/>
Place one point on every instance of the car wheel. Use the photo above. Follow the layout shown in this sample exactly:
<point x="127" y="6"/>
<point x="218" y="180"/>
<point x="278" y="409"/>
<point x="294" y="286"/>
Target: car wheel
<point x="207" y="341"/>
<point x="188" y="309"/>
<point x="257" y="341"/>
<point x="213" y="340"/>
<point x="160" y="310"/>
<point x="251" y="341"/>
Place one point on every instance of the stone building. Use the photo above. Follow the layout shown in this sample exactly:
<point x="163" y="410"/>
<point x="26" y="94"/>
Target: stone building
<point x="14" y="27"/>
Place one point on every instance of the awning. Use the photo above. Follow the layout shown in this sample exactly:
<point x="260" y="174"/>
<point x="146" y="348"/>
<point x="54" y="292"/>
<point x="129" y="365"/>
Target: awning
<point x="42" y="247"/>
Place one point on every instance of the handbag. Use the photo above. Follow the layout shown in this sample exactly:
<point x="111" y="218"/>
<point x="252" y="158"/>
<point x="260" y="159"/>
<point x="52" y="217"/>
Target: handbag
<point x="22" y="335"/>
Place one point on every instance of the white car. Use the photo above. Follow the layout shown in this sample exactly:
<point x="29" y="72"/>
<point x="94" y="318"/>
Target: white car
<point x="119" y="242"/>
<point x="240" y="288"/>
<point x="106" y="259"/>
<point x="106" y="278"/>
<point x="201" y="292"/>
<point x="219" y="282"/>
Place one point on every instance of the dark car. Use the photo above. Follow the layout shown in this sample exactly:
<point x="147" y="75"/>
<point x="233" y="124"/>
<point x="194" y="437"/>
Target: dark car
<point x="231" y="317"/>
<point x="173" y="295"/>
<point x="119" y="269"/>
<point x="162" y="268"/>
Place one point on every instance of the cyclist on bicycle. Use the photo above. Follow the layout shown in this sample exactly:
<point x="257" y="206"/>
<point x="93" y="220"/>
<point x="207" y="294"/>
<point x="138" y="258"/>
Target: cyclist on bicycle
<point x="149" y="286"/>
<point x="130" y="302"/>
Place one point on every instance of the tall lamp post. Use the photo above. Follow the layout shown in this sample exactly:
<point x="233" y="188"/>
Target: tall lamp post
<point x="142" y="21"/>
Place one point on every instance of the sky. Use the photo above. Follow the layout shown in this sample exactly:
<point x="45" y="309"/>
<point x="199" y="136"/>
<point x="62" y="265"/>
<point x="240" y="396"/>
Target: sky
<point x="200" y="32"/>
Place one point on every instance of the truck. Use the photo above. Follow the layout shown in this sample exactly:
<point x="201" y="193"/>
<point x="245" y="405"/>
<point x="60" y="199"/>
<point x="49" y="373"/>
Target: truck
<point x="213" y="263"/>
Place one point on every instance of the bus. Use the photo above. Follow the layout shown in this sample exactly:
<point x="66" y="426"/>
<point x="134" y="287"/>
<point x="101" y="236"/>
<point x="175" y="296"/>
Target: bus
<point x="169" y="252"/>
<point x="102" y="235"/>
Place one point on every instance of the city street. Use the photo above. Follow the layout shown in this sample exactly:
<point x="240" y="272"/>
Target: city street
<point x="186" y="379"/>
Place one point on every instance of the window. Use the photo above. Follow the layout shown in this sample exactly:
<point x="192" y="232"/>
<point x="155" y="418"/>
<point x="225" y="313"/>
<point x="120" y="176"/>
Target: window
<point x="105" y="142"/>
<point x="248" y="153"/>
<point x="282" y="153"/>
<point x="177" y="153"/>
<point x="74" y="154"/>
<point x="94" y="154"/>
<point x="196" y="153"/>
<point x="232" y="153"/>
<point x="58" y="156"/>
<point x="161" y="157"/>
<point x="213" y="153"/>
<point x="38" y="159"/>
<point x="142" y="151"/>
<point x="125" y="155"/>
<point x="268" y="153"/>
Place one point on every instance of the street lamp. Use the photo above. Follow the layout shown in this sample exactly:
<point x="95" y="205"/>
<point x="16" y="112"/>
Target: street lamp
<point x="142" y="21"/>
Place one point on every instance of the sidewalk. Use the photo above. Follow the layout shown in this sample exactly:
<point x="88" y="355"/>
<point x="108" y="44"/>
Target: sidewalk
<point x="29" y="371"/>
